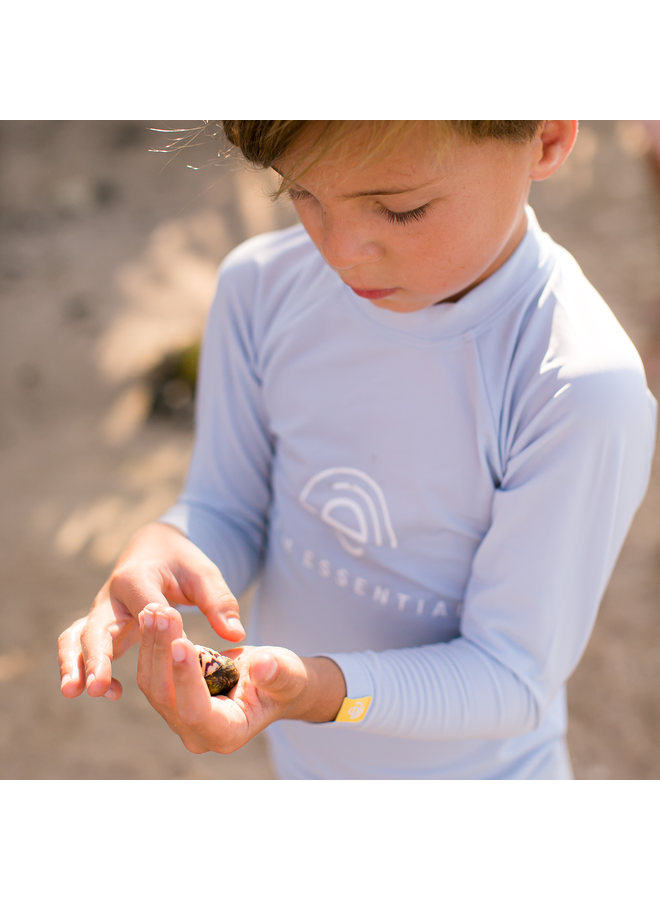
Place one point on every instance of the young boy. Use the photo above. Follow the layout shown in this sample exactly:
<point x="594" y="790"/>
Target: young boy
<point x="427" y="433"/>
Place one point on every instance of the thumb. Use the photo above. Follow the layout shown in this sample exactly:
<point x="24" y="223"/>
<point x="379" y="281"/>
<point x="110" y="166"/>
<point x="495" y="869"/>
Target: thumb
<point x="279" y="674"/>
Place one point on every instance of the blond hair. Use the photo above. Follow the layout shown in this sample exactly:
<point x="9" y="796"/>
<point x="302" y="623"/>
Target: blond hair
<point x="262" y="142"/>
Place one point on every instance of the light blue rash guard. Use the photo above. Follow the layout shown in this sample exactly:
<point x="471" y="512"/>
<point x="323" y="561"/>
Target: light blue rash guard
<point x="435" y="500"/>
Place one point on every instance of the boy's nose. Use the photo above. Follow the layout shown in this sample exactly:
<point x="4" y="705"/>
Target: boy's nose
<point x="344" y="247"/>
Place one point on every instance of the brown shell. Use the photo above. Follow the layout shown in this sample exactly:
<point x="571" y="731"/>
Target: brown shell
<point x="219" y="671"/>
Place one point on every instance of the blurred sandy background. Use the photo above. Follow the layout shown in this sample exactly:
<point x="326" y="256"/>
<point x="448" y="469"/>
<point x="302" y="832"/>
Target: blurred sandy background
<point x="107" y="264"/>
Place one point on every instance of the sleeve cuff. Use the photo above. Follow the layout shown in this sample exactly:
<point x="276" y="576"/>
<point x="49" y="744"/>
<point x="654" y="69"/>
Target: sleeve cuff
<point x="178" y="516"/>
<point x="359" y="686"/>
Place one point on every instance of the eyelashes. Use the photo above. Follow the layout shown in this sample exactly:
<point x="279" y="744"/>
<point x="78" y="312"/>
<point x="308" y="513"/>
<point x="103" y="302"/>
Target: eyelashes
<point x="296" y="196"/>
<point x="397" y="218"/>
<point x="412" y="215"/>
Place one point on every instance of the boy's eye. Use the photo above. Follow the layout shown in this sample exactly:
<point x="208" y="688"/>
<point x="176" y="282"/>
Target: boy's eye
<point x="411" y="215"/>
<point x="401" y="218"/>
<point x="297" y="194"/>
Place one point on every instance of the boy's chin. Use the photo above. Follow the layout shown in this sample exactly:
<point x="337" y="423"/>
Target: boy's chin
<point x="412" y="303"/>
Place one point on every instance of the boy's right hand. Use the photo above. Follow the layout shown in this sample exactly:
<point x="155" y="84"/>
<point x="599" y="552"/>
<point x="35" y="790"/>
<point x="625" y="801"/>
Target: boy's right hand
<point x="160" y="565"/>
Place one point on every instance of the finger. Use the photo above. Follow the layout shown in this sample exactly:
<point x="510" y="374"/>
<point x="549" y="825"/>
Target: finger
<point x="72" y="670"/>
<point x="72" y="666"/>
<point x="168" y="628"/>
<point x="115" y="690"/>
<point x="113" y="629"/>
<point x="97" y="649"/>
<point x="193" y="700"/>
<point x="123" y="636"/>
<point x="208" y="590"/>
<point x="147" y="623"/>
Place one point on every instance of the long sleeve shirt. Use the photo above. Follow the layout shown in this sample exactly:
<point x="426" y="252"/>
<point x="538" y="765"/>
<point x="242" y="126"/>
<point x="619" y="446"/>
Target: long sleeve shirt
<point x="435" y="499"/>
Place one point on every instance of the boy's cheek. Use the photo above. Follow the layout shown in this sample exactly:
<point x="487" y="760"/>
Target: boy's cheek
<point x="311" y="222"/>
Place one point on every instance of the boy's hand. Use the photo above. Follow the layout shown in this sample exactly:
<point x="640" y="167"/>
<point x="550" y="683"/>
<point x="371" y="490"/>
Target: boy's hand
<point x="161" y="566"/>
<point x="274" y="684"/>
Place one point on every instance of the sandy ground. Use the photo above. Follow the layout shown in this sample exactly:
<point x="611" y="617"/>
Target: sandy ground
<point x="107" y="261"/>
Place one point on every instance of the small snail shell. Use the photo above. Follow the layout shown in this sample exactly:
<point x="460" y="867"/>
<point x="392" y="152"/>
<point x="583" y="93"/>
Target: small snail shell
<point x="219" y="671"/>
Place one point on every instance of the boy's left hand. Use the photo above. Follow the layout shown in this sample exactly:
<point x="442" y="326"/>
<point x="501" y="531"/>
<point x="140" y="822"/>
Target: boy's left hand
<point x="274" y="684"/>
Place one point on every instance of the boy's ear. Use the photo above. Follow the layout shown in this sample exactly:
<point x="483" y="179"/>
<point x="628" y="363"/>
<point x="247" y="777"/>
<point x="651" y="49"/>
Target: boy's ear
<point x="553" y="143"/>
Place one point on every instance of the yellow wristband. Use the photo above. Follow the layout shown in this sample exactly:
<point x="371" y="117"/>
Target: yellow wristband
<point x="353" y="710"/>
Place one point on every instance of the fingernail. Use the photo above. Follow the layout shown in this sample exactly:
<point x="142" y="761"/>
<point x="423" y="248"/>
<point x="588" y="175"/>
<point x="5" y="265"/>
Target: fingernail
<point x="272" y="669"/>
<point x="148" y="619"/>
<point x="235" y="625"/>
<point x="90" y="679"/>
<point x="178" y="652"/>
<point x="65" y="680"/>
<point x="111" y="694"/>
<point x="163" y="623"/>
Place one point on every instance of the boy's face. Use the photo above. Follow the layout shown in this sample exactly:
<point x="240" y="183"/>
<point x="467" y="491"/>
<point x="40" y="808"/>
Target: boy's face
<point x="411" y="230"/>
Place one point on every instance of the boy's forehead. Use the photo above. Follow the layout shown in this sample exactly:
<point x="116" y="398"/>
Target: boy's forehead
<point x="406" y="168"/>
<point x="413" y="166"/>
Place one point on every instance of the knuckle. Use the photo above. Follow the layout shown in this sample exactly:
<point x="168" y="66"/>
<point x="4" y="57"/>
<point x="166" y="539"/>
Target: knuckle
<point x="289" y="680"/>
<point x="160" y="697"/>
<point x="94" y="652"/>
<point x="128" y="578"/>
<point x="210" y="573"/>
<point x="192" y="744"/>
<point x="229" y="599"/>
<point x="190" y="741"/>
<point x="193" y="720"/>
<point x="122" y="582"/>
<point x="286" y="686"/>
<point x="69" y="634"/>
<point x="225" y="749"/>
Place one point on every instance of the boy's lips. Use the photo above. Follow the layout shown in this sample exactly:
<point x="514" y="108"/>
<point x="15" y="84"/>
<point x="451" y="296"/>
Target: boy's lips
<point x="373" y="295"/>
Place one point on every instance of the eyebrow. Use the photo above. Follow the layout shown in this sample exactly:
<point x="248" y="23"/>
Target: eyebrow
<point x="382" y="192"/>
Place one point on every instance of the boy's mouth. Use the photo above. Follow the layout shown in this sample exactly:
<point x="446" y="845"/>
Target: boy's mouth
<point x="374" y="295"/>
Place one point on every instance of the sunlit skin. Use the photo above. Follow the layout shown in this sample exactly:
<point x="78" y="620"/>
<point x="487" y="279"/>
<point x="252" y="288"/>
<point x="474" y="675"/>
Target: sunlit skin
<point x="470" y="215"/>
<point x="473" y="218"/>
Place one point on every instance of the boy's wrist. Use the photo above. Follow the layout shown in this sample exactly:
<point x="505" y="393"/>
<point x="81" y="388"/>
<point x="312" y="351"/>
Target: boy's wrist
<point x="323" y="694"/>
